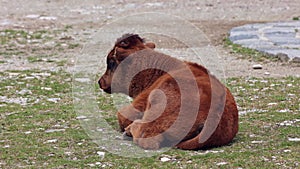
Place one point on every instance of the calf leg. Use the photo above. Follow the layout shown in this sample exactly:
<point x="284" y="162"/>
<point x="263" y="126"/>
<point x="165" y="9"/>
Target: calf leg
<point x="127" y="115"/>
<point x="143" y="135"/>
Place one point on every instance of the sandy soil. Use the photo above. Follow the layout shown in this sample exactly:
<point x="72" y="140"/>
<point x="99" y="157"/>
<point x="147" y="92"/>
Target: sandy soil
<point x="214" y="18"/>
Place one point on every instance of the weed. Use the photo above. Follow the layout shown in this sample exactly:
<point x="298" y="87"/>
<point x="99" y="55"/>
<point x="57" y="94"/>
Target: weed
<point x="296" y="18"/>
<point x="248" y="53"/>
<point x="73" y="46"/>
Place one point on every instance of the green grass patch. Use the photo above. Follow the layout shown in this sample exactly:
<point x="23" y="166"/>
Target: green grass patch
<point x="61" y="63"/>
<point x="73" y="45"/>
<point x="33" y="59"/>
<point x="296" y="18"/>
<point x="39" y="127"/>
<point x="21" y="36"/>
<point x="247" y="53"/>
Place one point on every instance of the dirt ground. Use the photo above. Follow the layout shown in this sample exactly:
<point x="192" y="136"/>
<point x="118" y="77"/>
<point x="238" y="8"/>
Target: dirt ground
<point x="214" y="18"/>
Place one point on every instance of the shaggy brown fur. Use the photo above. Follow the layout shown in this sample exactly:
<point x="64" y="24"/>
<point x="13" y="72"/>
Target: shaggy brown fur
<point x="156" y="118"/>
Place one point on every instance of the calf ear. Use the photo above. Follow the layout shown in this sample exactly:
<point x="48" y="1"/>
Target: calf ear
<point x="150" y="45"/>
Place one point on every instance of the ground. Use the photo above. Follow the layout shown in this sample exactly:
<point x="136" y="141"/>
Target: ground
<point x="215" y="19"/>
<point x="40" y="44"/>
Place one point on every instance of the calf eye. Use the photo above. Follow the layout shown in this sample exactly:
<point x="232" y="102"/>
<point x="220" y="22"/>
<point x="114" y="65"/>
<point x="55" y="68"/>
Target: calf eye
<point x="111" y="64"/>
<point x="124" y="44"/>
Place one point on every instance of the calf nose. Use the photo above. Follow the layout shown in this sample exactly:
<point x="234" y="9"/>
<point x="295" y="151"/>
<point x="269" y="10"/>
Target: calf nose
<point x="104" y="85"/>
<point x="100" y="82"/>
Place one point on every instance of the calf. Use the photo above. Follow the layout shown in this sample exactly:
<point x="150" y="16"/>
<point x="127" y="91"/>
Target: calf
<point x="175" y="103"/>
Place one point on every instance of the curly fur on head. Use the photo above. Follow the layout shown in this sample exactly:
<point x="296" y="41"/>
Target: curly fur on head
<point x="130" y="37"/>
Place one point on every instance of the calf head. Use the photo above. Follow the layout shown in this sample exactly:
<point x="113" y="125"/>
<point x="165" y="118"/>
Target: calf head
<point x="126" y="45"/>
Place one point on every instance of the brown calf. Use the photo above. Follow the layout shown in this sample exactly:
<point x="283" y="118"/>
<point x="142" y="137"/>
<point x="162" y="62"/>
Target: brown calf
<point x="176" y="103"/>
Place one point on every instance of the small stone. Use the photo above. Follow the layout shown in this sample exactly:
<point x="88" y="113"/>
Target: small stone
<point x="51" y="155"/>
<point x="267" y="73"/>
<point x="81" y="117"/>
<point x="283" y="57"/>
<point x="41" y="74"/>
<point x="68" y="153"/>
<point x="256" y="142"/>
<point x="221" y="163"/>
<point x="54" y="130"/>
<point x="28" y="78"/>
<point x="252" y="135"/>
<point x="51" y="141"/>
<point x="257" y="66"/>
<point x="272" y="104"/>
<point x="25" y="91"/>
<point x="32" y="16"/>
<point x="284" y="111"/>
<point x="46" y="88"/>
<point x="291" y="95"/>
<point x="294" y="139"/>
<point x="6" y="146"/>
<point x="296" y="60"/>
<point x="101" y="154"/>
<point x="83" y="80"/>
<point x="27" y="132"/>
<point x="55" y="100"/>
<point x="91" y="165"/>
<point x="48" y="18"/>
<point x="165" y="159"/>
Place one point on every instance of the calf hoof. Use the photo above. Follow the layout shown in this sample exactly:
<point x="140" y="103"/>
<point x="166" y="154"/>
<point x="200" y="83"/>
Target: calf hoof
<point x="127" y="137"/>
<point x="148" y="143"/>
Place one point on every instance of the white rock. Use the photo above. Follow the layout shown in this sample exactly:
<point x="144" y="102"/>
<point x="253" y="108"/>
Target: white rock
<point x="41" y="74"/>
<point x="81" y="117"/>
<point x="101" y="154"/>
<point x="221" y="163"/>
<point x="257" y="66"/>
<point x="257" y="142"/>
<point x="48" y="18"/>
<point x="24" y="91"/>
<point x="32" y="16"/>
<point x="54" y="130"/>
<point x="68" y="153"/>
<point x="46" y="88"/>
<point x="155" y="4"/>
<point x="82" y="80"/>
<point x="91" y="165"/>
<point x="13" y="74"/>
<point x="27" y="132"/>
<point x="51" y="141"/>
<point x="165" y="159"/>
<point x="272" y="104"/>
<point x="6" y="146"/>
<point x="294" y="139"/>
<point x="55" y="100"/>
<point x="284" y="111"/>
<point x="28" y="78"/>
